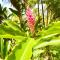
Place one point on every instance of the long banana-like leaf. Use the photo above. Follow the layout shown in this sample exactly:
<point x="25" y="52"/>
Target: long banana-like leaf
<point x="51" y="43"/>
<point x="17" y="38"/>
<point x="23" y="52"/>
<point x="13" y="25"/>
<point x="11" y="28"/>
<point x="44" y="38"/>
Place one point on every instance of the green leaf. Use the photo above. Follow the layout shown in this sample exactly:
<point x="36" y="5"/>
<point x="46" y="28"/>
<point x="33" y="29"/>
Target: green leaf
<point x="54" y="28"/>
<point x="44" y="38"/>
<point x="23" y="52"/>
<point x="14" y="11"/>
<point x="51" y="43"/>
<point x="13" y="25"/>
<point x="11" y="28"/>
<point x="17" y="38"/>
<point x="1" y="46"/>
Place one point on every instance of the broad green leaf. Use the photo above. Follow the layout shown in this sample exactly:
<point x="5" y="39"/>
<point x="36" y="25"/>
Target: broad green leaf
<point x="54" y="28"/>
<point x="17" y="38"/>
<point x="13" y="28"/>
<point x="4" y="29"/>
<point x="23" y="52"/>
<point x="13" y="25"/>
<point x="51" y="43"/>
<point x="44" y="38"/>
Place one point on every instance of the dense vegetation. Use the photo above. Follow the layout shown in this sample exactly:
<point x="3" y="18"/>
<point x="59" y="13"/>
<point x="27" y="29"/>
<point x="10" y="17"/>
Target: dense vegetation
<point x="28" y="32"/>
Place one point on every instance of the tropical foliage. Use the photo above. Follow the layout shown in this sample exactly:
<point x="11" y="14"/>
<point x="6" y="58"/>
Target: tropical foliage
<point x="29" y="36"/>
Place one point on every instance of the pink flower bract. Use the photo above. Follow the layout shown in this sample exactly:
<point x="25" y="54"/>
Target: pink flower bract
<point x="30" y="20"/>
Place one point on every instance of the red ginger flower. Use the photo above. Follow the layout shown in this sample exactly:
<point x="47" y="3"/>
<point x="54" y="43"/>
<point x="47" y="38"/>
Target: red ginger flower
<point x="30" y="20"/>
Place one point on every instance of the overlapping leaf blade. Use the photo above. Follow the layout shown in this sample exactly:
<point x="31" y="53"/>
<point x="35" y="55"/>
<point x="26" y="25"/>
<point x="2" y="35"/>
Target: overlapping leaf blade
<point x="22" y="52"/>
